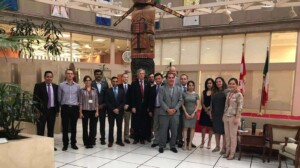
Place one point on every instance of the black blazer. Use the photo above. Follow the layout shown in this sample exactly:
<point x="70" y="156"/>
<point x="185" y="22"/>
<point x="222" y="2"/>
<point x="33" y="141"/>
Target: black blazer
<point x="127" y="94"/>
<point x="153" y="97"/>
<point x="101" y="94"/>
<point x="41" y="96"/>
<point x="112" y="103"/>
<point x="136" y="95"/>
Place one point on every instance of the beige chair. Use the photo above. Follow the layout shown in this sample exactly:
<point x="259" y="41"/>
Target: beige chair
<point x="274" y="135"/>
<point x="290" y="149"/>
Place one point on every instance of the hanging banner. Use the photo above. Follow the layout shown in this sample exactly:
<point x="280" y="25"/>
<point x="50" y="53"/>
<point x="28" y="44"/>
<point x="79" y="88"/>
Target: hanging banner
<point x="60" y="11"/>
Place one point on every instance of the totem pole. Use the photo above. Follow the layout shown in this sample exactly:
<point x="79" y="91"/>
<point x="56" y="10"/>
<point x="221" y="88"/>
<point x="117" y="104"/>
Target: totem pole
<point x="143" y="31"/>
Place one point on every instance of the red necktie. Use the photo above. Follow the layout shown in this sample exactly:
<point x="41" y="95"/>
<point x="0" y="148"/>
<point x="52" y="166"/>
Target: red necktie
<point x="142" y="88"/>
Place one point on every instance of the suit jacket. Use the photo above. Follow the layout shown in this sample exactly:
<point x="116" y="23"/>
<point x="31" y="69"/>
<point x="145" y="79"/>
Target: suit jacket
<point x="167" y="101"/>
<point x="127" y="94"/>
<point x="40" y="91"/>
<point x="112" y="103"/>
<point x="152" y="97"/>
<point x="101" y="94"/>
<point x="136" y="99"/>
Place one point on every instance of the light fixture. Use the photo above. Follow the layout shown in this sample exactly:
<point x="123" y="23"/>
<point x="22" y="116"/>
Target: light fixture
<point x="228" y="15"/>
<point x="292" y="13"/>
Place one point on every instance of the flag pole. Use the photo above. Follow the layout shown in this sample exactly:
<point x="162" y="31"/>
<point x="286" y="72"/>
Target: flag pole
<point x="261" y="97"/>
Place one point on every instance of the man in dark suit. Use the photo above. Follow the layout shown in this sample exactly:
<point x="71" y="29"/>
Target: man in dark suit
<point x="127" y="113"/>
<point x="140" y="90"/>
<point x="101" y="86"/>
<point x="115" y="101"/>
<point x="154" y="106"/>
<point x="46" y="94"/>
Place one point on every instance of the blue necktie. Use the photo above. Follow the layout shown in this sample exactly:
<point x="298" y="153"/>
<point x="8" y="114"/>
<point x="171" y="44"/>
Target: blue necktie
<point x="116" y="93"/>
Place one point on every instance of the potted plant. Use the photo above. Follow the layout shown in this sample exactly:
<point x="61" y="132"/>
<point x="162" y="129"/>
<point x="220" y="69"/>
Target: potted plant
<point x="16" y="106"/>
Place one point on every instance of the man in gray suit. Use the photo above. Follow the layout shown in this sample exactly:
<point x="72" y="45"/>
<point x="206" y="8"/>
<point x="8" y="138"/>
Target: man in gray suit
<point x="170" y="101"/>
<point x="101" y="86"/>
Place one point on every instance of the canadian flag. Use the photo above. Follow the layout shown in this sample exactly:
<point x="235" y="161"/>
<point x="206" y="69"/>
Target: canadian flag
<point x="242" y="74"/>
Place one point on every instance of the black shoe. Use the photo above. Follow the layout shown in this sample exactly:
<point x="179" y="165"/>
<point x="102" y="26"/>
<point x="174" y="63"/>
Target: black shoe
<point x="127" y="141"/>
<point x="174" y="150"/>
<point x="193" y="146"/>
<point x="120" y="143"/>
<point x="93" y="143"/>
<point x="161" y="150"/>
<point x="103" y="143"/>
<point x="55" y="149"/>
<point x="154" y="145"/>
<point x="179" y="145"/>
<point x="142" y="142"/>
<point x="149" y="139"/>
<point x="74" y="147"/>
<point x="110" y="144"/>
<point x="135" y="142"/>
<point x="65" y="148"/>
<point x="88" y="146"/>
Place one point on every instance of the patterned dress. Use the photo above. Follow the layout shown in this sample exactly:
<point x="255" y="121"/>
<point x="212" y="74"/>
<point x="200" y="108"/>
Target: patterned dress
<point x="190" y="101"/>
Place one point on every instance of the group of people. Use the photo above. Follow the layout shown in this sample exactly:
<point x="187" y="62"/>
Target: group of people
<point x="164" y="110"/>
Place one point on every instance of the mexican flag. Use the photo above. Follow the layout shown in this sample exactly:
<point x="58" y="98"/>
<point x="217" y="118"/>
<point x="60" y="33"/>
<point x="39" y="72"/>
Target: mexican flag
<point x="242" y="74"/>
<point x="265" y="88"/>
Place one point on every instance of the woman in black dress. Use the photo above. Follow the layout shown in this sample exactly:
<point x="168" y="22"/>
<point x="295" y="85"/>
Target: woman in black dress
<point x="205" y="118"/>
<point x="217" y="110"/>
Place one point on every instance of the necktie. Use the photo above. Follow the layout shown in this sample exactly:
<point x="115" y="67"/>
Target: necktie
<point x="157" y="96"/>
<point x="116" y="93"/>
<point x="49" y="96"/>
<point x="142" y="88"/>
<point x="125" y="88"/>
<point x="184" y="88"/>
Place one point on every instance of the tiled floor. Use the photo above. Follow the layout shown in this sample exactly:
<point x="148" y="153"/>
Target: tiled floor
<point x="143" y="156"/>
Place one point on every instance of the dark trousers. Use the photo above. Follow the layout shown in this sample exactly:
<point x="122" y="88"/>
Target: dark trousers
<point x="139" y="122"/>
<point x="89" y="136"/>
<point x="69" y="115"/>
<point x="111" y="121"/>
<point x="102" y="117"/>
<point x="48" y="116"/>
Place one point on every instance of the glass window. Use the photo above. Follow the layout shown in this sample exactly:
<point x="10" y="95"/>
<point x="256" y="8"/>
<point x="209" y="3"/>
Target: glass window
<point x="82" y="48"/>
<point x="65" y="40"/>
<point x="283" y="47"/>
<point x="170" y="51"/>
<point x="256" y="47"/>
<point x="101" y="49"/>
<point x="210" y="50"/>
<point x="157" y="52"/>
<point x="190" y="48"/>
<point x="232" y="48"/>
<point x="121" y="45"/>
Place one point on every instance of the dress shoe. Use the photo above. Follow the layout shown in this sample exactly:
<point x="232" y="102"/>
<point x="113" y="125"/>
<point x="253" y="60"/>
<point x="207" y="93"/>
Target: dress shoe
<point x="103" y="143"/>
<point x="55" y="149"/>
<point x="65" y="148"/>
<point x="88" y="146"/>
<point x="217" y="149"/>
<point x="174" y="150"/>
<point x="149" y="139"/>
<point x="120" y="143"/>
<point x="179" y="145"/>
<point x="154" y="145"/>
<point x="142" y="142"/>
<point x="135" y="142"/>
<point x="161" y="150"/>
<point x="74" y="147"/>
<point x="193" y="146"/>
<point x="110" y="144"/>
<point x="127" y="141"/>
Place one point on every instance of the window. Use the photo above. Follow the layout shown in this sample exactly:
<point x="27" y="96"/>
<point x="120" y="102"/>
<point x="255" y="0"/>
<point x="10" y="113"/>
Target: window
<point x="170" y="51"/>
<point x="210" y="50"/>
<point x="283" y="47"/>
<point x="190" y="48"/>
<point x="256" y="47"/>
<point x="232" y="48"/>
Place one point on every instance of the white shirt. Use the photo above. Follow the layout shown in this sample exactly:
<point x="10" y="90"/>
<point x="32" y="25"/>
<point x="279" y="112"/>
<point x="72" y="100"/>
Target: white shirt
<point x="99" y="86"/>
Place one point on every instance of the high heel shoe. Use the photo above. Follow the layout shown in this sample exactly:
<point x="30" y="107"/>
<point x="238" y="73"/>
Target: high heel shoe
<point x="222" y="152"/>
<point x="184" y="146"/>
<point x="190" y="146"/>
<point x="217" y="149"/>
<point x="202" y="145"/>
<point x="208" y="145"/>
<point x="230" y="157"/>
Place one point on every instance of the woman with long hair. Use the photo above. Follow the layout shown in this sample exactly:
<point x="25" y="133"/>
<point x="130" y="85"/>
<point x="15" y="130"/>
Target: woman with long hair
<point x="190" y="106"/>
<point x="231" y="118"/>
<point x="217" y="110"/>
<point x="205" y="117"/>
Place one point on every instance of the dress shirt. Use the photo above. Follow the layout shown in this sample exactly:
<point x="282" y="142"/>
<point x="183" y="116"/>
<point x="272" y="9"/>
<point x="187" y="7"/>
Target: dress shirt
<point x="68" y="94"/>
<point x="99" y="86"/>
